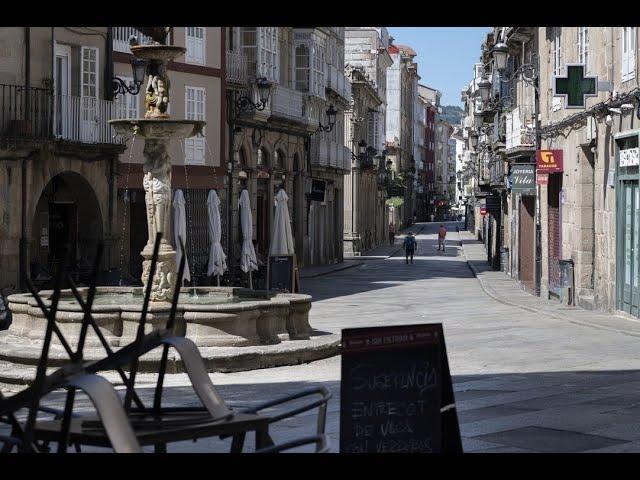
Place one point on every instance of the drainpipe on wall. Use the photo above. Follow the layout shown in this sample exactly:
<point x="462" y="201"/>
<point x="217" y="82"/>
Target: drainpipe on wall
<point x="23" y="223"/>
<point x="108" y="67"/>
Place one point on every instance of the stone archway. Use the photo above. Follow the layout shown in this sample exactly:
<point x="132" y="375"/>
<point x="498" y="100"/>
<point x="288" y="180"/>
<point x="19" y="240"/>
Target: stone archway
<point x="67" y="213"/>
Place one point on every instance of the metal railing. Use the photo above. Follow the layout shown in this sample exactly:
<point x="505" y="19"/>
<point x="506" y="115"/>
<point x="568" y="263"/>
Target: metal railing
<point x="85" y="119"/>
<point x="121" y="38"/>
<point x="236" y="67"/>
<point x="288" y="103"/>
<point x="25" y="113"/>
<point x="520" y="127"/>
<point x="337" y="82"/>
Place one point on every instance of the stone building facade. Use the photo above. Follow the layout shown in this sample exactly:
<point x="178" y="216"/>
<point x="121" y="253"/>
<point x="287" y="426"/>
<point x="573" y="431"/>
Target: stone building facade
<point x="366" y="213"/>
<point x="58" y="155"/>
<point x="282" y="145"/>
<point x="401" y="93"/>
<point x="588" y="210"/>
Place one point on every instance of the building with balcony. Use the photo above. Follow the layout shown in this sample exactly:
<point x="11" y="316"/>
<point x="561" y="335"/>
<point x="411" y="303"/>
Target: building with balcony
<point x="585" y="210"/>
<point x="366" y="214"/>
<point x="280" y="143"/>
<point x="58" y="155"/>
<point x="198" y="164"/>
<point x="402" y="89"/>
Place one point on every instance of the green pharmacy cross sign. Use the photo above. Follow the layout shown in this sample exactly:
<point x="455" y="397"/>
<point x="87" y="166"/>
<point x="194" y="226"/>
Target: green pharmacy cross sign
<point x="575" y="87"/>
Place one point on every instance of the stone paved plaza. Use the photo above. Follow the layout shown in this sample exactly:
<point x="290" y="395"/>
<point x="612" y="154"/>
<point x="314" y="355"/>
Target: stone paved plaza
<point x="529" y="375"/>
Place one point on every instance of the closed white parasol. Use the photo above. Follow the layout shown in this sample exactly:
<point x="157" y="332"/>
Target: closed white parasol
<point x="217" y="257"/>
<point x="180" y="230"/>
<point x="248" y="260"/>
<point x="281" y="237"/>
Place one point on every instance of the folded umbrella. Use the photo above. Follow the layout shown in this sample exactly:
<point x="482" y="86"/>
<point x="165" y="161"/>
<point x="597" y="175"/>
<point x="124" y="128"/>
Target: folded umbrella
<point x="180" y="230"/>
<point x="217" y="258"/>
<point x="281" y="236"/>
<point x="248" y="260"/>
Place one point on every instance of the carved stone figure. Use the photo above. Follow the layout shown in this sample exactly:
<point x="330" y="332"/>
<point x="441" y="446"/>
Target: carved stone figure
<point x="157" y="94"/>
<point x="157" y="187"/>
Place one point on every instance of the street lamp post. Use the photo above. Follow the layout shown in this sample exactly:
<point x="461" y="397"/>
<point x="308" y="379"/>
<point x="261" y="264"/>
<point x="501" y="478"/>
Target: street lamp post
<point x="331" y="119"/>
<point x="138" y="68"/>
<point x="239" y="105"/>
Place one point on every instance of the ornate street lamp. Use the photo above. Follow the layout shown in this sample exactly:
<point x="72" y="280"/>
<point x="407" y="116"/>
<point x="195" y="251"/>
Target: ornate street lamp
<point x="473" y="139"/>
<point x="484" y="87"/>
<point x="499" y="53"/>
<point x="362" y="148"/>
<point x="138" y="68"/>
<point x="331" y="118"/>
<point x="244" y="103"/>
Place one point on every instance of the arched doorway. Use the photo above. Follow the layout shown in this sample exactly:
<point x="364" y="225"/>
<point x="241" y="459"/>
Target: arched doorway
<point x="67" y="214"/>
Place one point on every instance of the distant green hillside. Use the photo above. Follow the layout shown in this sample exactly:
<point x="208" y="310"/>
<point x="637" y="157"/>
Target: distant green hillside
<point x="452" y="114"/>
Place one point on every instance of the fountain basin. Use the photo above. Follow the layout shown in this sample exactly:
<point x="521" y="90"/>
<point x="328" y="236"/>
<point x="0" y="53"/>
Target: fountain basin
<point x="210" y="316"/>
<point x="163" y="128"/>
<point x="162" y="53"/>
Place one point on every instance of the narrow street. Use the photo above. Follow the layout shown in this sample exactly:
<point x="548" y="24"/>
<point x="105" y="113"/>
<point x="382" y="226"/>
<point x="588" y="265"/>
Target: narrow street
<point x="523" y="382"/>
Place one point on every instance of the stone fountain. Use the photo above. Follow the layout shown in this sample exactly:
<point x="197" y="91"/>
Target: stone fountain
<point x="158" y="129"/>
<point x="217" y="319"/>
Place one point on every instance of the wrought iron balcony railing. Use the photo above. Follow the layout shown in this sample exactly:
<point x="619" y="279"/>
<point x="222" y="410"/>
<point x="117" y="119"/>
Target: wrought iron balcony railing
<point x="26" y="114"/>
<point x="35" y="114"/>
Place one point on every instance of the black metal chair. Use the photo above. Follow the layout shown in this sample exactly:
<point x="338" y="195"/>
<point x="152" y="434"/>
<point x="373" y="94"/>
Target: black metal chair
<point x="159" y="426"/>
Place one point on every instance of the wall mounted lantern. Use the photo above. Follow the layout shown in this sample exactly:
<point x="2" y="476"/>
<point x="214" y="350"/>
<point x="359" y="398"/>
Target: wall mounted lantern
<point x="138" y="68"/>
<point x="331" y="118"/>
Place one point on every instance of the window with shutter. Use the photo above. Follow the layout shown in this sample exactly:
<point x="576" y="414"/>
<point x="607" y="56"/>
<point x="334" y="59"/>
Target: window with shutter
<point x="583" y="47"/>
<point x="268" y="65"/>
<point x="632" y="53"/>
<point x="319" y="61"/>
<point x="194" y="147"/>
<point x="195" y="42"/>
<point x="557" y="51"/>
<point x="89" y="73"/>
<point x="249" y="39"/>
<point x="302" y="68"/>
<point x="628" y="53"/>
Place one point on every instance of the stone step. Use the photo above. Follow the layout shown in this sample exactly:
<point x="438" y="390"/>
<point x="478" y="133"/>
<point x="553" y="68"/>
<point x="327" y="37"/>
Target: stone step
<point x="19" y="357"/>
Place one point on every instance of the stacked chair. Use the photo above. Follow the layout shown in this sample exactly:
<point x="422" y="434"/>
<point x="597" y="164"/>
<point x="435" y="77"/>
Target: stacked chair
<point x="128" y="425"/>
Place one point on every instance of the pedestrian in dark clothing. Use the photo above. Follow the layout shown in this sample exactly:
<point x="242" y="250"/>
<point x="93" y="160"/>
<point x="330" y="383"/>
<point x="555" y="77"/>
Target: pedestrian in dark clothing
<point x="392" y="233"/>
<point x="409" y="247"/>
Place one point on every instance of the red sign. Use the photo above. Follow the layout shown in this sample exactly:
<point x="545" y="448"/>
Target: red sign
<point x="542" y="178"/>
<point x="483" y="211"/>
<point x="549" y="161"/>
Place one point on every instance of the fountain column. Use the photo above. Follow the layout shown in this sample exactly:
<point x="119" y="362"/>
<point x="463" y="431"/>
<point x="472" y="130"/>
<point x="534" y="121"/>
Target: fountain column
<point x="157" y="187"/>
<point x="157" y="129"/>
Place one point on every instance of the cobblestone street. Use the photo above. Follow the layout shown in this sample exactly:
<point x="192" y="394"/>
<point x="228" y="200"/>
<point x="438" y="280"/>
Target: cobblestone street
<point x="526" y="379"/>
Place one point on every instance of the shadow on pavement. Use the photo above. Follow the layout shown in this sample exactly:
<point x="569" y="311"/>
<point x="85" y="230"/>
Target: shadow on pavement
<point x="555" y="412"/>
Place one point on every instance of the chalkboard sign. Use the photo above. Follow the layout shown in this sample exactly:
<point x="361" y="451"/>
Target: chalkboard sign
<point x="280" y="272"/>
<point x="396" y="394"/>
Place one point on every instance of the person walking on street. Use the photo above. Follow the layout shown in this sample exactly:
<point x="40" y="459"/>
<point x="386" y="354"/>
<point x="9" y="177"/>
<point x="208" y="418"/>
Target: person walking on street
<point x="392" y="233"/>
<point x="409" y="246"/>
<point x="442" y="234"/>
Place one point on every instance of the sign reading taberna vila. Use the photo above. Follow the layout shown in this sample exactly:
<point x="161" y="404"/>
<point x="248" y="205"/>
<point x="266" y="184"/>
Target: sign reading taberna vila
<point x="523" y="179"/>
<point x="396" y="393"/>
<point x="575" y="86"/>
<point x="549" y="161"/>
